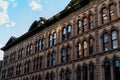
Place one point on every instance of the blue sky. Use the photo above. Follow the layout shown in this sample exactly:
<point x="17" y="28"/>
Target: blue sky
<point x="16" y="16"/>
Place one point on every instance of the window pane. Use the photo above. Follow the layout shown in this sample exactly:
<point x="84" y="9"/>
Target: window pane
<point x="105" y="38"/>
<point x="107" y="70"/>
<point x="112" y="11"/>
<point x="116" y="68"/>
<point x="54" y="36"/>
<point x="85" y="50"/>
<point x="85" y="44"/>
<point x="91" y="47"/>
<point x="78" y="73"/>
<point x="79" y="23"/>
<point x="62" y="75"/>
<point x="91" y="71"/>
<point x="105" y="12"/>
<point x="114" y="35"/>
<point x="69" y="29"/>
<point x="53" y="58"/>
<point x="50" y="37"/>
<point x="85" y="73"/>
<point x="117" y="63"/>
<point x="64" y="31"/>
<point x="63" y="59"/>
<point x="115" y="44"/>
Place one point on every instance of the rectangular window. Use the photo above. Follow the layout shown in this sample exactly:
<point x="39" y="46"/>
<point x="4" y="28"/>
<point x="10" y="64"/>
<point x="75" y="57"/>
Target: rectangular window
<point x="114" y="40"/>
<point x="106" y="42"/>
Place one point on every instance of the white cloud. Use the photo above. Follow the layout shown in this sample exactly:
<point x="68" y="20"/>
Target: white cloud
<point x="11" y="24"/>
<point x="3" y="14"/>
<point x="34" y="5"/>
<point x="4" y="17"/>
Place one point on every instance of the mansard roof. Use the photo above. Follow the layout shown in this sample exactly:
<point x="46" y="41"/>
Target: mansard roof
<point x="43" y="23"/>
<point x="72" y="3"/>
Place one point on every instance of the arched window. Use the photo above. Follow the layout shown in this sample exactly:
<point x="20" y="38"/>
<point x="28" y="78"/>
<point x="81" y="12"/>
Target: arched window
<point x="91" y="21"/>
<point x="85" y="72"/>
<point x="48" y="60"/>
<point x="91" y="46"/>
<point x="33" y="77"/>
<point x="50" y="40"/>
<point x="67" y="74"/>
<point x="54" y="39"/>
<point x="34" y="63"/>
<point x="28" y="66"/>
<point x="79" y="50"/>
<point x="107" y="71"/>
<point x="39" y="77"/>
<point x="28" y="49"/>
<point x="105" y="42"/>
<point x="20" y="68"/>
<point x="27" y="78"/>
<point x="42" y="43"/>
<point x="62" y="75"/>
<point x="78" y="73"/>
<point x="37" y="63"/>
<point x="64" y="33"/>
<point x="52" y="76"/>
<point x="104" y="15"/>
<point x="68" y="51"/>
<point x="116" y="69"/>
<point x="112" y="11"/>
<point x="36" y="46"/>
<point x="85" y="24"/>
<point x="53" y="58"/>
<point x="30" y="52"/>
<point x="63" y="55"/>
<point x="69" y="32"/>
<point x="79" y="26"/>
<point x="47" y="76"/>
<point x="25" y="67"/>
<point x="85" y="48"/>
<point x="36" y="77"/>
<point x="41" y="60"/>
<point x="114" y="39"/>
<point x="91" y="72"/>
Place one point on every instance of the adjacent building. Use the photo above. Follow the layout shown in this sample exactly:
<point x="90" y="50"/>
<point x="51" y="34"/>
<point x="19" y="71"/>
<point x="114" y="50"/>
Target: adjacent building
<point x="0" y="67"/>
<point x="82" y="42"/>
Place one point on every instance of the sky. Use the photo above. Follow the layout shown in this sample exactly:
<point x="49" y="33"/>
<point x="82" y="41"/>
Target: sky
<point x="16" y="16"/>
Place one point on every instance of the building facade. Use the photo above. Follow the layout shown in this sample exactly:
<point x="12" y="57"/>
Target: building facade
<point x="82" y="42"/>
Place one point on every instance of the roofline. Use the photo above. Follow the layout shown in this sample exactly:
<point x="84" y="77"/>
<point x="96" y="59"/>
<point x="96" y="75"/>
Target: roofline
<point x="49" y="22"/>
